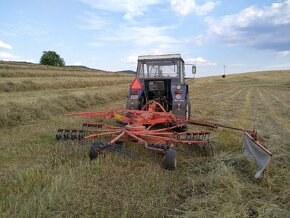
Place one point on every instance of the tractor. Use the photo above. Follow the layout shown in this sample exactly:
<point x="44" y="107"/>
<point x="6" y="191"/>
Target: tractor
<point x="161" y="78"/>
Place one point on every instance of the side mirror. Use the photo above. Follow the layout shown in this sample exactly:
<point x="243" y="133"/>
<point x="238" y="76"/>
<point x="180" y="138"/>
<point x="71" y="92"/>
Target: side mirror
<point x="193" y="69"/>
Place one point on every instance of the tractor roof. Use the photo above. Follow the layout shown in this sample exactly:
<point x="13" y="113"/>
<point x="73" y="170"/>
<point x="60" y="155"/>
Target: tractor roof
<point x="160" y="57"/>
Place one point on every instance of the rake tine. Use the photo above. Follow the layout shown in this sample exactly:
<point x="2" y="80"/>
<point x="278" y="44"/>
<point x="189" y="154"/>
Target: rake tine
<point x="58" y="136"/>
<point x="73" y="134"/>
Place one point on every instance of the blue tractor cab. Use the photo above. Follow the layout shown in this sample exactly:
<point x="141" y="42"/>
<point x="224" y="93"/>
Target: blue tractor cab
<point x="161" y="78"/>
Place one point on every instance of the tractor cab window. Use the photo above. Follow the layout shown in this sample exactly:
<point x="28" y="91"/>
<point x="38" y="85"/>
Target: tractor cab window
<point x="155" y="69"/>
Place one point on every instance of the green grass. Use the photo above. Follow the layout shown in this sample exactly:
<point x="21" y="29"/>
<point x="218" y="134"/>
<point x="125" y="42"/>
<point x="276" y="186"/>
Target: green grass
<point x="41" y="178"/>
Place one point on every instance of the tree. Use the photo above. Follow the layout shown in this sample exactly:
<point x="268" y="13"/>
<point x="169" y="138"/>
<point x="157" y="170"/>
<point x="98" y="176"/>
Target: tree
<point x="51" y="58"/>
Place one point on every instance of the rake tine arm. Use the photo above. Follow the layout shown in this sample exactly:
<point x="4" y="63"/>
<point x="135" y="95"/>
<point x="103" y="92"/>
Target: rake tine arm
<point x="99" y="130"/>
<point x="158" y="137"/>
<point x="136" y="137"/>
<point x="161" y="133"/>
<point x="112" y="127"/>
<point x="164" y="129"/>
<point x="149" y="127"/>
<point x="101" y="134"/>
<point x="129" y="134"/>
<point x="91" y="114"/>
<point x="202" y="123"/>
<point x="117" y="137"/>
<point x="215" y="125"/>
<point x="233" y="128"/>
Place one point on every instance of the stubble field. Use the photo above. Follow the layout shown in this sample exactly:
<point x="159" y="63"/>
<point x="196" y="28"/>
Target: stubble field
<point x="41" y="178"/>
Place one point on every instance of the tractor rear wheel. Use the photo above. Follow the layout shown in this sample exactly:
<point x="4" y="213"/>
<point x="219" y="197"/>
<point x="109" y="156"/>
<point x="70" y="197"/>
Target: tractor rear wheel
<point x="170" y="159"/>
<point x="187" y="112"/>
<point x="141" y="102"/>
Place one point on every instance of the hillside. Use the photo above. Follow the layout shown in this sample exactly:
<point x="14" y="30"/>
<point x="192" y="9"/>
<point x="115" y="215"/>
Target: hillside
<point x="41" y="178"/>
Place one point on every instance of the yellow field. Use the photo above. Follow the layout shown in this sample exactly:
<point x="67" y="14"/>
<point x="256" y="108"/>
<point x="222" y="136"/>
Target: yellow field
<point x="40" y="178"/>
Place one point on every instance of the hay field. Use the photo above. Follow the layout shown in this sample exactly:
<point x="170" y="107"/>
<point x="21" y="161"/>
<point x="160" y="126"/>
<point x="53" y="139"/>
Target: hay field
<point x="38" y="178"/>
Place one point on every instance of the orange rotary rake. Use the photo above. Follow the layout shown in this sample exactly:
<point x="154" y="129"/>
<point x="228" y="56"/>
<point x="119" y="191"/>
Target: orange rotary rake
<point x="152" y="127"/>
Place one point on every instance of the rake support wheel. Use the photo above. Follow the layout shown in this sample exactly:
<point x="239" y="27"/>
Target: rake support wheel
<point x="170" y="159"/>
<point x="94" y="153"/>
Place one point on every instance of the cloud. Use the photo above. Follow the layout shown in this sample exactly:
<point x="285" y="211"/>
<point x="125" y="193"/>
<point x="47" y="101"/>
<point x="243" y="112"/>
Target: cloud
<point x="134" y="8"/>
<point x="198" y="40"/>
<point x="4" y="45"/>
<point x="199" y="61"/>
<point x="130" y="8"/>
<point x="109" y="31"/>
<point x="96" y="44"/>
<point x="92" y="21"/>
<point x="267" y="27"/>
<point x="282" y="53"/>
<point x="205" y="8"/>
<point x="141" y="35"/>
<point x="5" y="56"/>
<point x="33" y="30"/>
<point x="184" y="7"/>
<point x="158" y="50"/>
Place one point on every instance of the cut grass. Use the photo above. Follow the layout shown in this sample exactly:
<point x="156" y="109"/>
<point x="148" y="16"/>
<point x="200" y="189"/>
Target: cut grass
<point x="20" y="112"/>
<point x="41" y="178"/>
<point x="38" y="83"/>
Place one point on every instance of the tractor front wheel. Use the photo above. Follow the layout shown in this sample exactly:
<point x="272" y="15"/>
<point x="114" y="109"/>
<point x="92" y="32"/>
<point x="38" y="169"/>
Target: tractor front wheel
<point x="170" y="159"/>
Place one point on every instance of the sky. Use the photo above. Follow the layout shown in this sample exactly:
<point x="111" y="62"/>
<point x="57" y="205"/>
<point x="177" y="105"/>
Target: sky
<point x="243" y="35"/>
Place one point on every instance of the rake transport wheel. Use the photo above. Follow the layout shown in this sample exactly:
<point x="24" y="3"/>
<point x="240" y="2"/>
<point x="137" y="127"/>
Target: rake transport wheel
<point x="170" y="159"/>
<point x="94" y="153"/>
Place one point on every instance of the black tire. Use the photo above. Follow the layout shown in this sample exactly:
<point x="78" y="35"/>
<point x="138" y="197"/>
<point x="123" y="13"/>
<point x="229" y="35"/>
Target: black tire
<point x="183" y="128"/>
<point x="141" y="102"/>
<point x="170" y="160"/>
<point x="188" y="108"/>
<point x="93" y="154"/>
